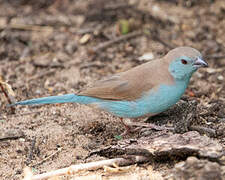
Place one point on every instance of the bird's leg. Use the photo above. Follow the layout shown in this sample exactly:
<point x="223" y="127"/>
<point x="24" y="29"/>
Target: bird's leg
<point x="128" y="128"/>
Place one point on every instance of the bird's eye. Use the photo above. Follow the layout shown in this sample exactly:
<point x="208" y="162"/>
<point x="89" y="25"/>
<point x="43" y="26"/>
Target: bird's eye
<point x="183" y="61"/>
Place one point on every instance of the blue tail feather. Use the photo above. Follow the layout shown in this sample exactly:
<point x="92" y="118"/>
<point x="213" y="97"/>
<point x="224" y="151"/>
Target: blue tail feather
<point x="67" y="98"/>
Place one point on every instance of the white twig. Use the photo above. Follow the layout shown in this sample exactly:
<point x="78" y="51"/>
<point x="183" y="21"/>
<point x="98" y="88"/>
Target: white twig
<point x="88" y="166"/>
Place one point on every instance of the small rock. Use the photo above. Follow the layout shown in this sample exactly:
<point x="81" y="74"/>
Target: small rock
<point x="194" y="168"/>
<point x="21" y="139"/>
<point x="85" y="38"/>
<point x="3" y="22"/>
<point x="211" y="70"/>
<point x="38" y="91"/>
<point x="220" y="77"/>
<point x="147" y="56"/>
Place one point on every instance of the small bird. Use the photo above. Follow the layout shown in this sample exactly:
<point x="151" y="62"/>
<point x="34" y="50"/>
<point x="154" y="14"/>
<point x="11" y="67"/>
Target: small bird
<point x="145" y="90"/>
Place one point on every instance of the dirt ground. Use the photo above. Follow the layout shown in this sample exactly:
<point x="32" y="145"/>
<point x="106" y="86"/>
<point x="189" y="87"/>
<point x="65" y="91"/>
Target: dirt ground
<point x="55" y="47"/>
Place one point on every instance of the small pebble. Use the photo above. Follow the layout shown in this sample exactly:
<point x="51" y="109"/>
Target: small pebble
<point x="21" y="139"/>
<point x="220" y="77"/>
<point x="85" y="38"/>
<point x="147" y="56"/>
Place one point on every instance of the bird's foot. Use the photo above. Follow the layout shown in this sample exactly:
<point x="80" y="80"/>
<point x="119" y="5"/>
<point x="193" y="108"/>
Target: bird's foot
<point x="132" y="127"/>
<point x="150" y="126"/>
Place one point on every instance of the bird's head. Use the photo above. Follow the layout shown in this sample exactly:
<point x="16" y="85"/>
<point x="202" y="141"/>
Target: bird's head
<point x="184" y="61"/>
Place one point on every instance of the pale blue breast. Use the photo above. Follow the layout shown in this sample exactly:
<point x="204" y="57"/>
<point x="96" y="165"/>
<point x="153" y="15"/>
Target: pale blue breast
<point x="153" y="102"/>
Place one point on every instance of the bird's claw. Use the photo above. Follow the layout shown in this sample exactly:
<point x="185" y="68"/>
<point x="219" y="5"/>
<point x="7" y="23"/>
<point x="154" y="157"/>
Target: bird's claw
<point x="143" y="127"/>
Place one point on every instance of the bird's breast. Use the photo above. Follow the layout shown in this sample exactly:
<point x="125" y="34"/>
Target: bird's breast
<point x="162" y="98"/>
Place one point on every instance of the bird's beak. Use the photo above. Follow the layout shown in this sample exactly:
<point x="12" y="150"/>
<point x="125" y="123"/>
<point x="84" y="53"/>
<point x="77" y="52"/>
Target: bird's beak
<point x="200" y="63"/>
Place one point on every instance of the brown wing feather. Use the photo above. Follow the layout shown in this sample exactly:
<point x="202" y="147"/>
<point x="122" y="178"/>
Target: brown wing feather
<point x="131" y="84"/>
<point x="111" y="88"/>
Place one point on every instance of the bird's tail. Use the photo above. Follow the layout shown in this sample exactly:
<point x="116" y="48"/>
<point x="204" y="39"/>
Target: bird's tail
<point x="67" y="98"/>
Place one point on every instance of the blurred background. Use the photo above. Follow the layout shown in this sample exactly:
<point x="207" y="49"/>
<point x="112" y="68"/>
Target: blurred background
<point x="60" y="46"/>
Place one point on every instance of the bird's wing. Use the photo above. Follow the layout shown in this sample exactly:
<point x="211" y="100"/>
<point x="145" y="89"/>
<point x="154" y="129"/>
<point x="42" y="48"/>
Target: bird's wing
<point x="113" y="88"/>
<point x="129" y="85"/>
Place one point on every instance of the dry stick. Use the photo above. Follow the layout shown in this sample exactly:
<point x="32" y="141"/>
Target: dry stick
<point x="90" y="30"/>
<point x="91" y="64"/>
<point x="7" y="97"/>
<point x="88" y="166"/>
<point x="41" y="75"/>
<point x="163" y="42"/>
<point x="45" y="159"/>
<point x="11" y="136"/>
<point x="30" y="156"/>
<point x="120" y="38"/>
<point x="155" y="36"/>
<point x="29" y="27"/>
